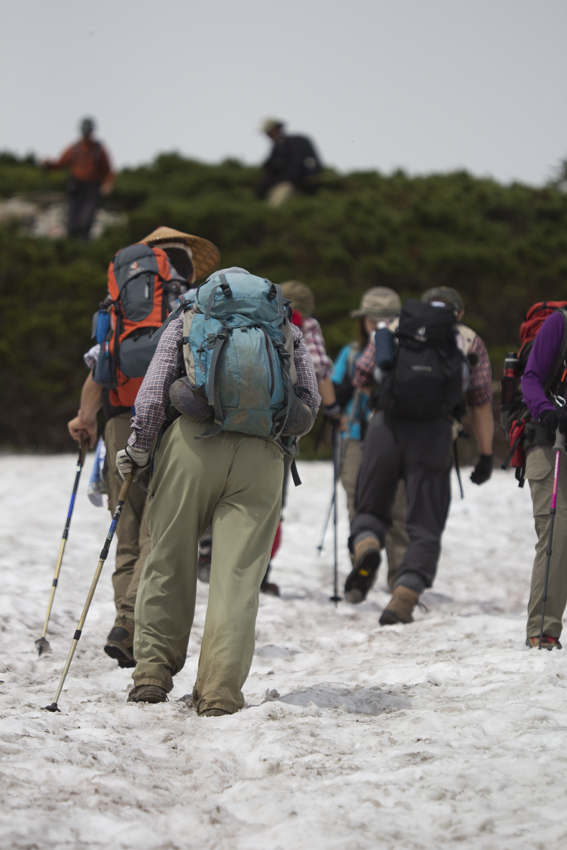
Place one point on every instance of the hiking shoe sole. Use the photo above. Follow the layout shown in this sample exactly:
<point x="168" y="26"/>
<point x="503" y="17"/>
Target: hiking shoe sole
<point x="121" y="654"/>
<point x="362" y="577"/>
<point x="147" y="693"/>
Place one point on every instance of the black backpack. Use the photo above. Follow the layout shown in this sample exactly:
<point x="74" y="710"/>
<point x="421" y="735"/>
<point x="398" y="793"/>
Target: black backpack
<point x="430" y="373"/>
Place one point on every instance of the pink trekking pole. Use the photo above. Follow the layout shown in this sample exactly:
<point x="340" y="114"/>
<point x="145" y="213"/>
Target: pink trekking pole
<point x="557" y="448"/>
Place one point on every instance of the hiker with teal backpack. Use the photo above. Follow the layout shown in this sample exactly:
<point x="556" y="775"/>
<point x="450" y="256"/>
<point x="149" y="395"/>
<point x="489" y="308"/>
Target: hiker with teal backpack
<point x="535" y="420"/>
<point x="144" y="282"/>
<point x="229" y="390"/>
<point x="427" y="365"/>
<point x="379" y="304"/>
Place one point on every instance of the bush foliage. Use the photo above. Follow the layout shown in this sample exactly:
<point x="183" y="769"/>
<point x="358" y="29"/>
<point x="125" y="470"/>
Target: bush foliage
<point x="502" y="247"/>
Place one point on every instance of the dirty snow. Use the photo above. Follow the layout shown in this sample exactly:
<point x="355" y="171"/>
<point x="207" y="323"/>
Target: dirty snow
<point x="448" y="732"/>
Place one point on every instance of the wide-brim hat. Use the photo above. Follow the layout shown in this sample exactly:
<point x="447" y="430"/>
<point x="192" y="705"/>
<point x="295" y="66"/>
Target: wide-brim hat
<point x="205" y="255"/>
<point x="380" y="302"/>
<point x="301" y="297"/>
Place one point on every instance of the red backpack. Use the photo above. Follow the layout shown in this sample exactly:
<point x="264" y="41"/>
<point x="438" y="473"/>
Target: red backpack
<point x="140" y="283"/>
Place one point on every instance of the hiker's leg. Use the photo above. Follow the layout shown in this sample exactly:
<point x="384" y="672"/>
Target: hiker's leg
<point x="377" y="483"/>
<point x="132" y="539"/>
<point x="244" y="524"/>
<point x="397" y="538"/>
<point x="540" y="465"/>
<point x="189" y="477"/>
<point x="349" y="473"/>
<point x="427" y="471"/>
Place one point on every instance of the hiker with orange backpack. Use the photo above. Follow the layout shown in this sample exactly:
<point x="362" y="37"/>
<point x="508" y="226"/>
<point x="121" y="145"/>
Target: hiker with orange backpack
<point x="544" y="387"/>
<point x="145" y="281"/>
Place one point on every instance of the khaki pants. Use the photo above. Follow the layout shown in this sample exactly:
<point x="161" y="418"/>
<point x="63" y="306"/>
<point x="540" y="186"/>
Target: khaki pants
<point x="234" y="483"/>
<point x="397" y="540"/>
<point x="540" y="470"/>
<point x="132" y="534"/>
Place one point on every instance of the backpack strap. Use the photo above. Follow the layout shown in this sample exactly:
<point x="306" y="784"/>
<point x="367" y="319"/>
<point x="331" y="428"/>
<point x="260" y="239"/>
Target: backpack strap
<point x="213" y="392"/>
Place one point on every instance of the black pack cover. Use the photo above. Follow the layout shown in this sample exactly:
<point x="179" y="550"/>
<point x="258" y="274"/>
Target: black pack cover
<point x="430" y="372"/>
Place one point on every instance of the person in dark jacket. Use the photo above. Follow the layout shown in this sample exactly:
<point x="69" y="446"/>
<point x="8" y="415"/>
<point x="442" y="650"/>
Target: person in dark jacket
<point x="90" y="177"/>
<point x="291" y="166"/>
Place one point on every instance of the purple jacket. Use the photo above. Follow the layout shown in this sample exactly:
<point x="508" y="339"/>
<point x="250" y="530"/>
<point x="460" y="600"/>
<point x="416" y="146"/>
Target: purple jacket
<point x="546" y="347"/>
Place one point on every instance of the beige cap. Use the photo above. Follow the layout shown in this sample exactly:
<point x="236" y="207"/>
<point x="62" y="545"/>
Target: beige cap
<point x="301" y="297"/>
<point x="205" y="255"/>
<point x="271" y="124"/>
<point x="380" y="302"/>
<point x="447" y="295"/>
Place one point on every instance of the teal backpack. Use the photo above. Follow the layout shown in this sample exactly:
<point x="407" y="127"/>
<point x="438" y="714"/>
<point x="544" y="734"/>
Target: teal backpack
<point x="238" y="351"/>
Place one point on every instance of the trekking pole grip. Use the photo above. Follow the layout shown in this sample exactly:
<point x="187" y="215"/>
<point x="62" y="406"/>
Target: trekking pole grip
<point x="83" y="451"/>
<point x="559" y="441"/>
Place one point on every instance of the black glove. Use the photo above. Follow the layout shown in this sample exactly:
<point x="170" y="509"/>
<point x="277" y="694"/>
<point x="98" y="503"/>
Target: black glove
<point x="483" y="470"/>
<point x="554" y="419"/>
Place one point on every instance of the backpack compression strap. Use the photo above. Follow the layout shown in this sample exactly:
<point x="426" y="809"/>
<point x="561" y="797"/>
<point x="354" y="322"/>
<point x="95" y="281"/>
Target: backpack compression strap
<point x="213" y="391"/>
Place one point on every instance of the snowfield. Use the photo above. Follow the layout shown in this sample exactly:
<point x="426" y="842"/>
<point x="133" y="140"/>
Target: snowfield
<point x="445" y="733"/>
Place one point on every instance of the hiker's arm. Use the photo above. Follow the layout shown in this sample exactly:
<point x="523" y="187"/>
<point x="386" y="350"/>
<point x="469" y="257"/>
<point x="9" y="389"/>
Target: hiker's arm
<point x="546" y="347"/>
<point x="483" y="424"/>
<point x="84" y="425"/>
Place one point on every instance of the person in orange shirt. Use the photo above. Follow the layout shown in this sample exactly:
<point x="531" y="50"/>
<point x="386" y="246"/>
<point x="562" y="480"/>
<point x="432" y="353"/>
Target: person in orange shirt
<point x="90" y="176"/>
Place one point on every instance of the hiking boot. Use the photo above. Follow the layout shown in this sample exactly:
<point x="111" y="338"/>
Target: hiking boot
<point x="120" y="641"/>
<point x="361" y="577"/>
<point x="269" y="587"/>
<point x="147" y="693"/>
<point x="400" y="607"/>
<point x="547" y="642"/>
<point x="213" y="712"/>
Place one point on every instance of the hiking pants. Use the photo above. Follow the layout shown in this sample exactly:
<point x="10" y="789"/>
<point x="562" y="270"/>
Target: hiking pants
<point x="540" y="465"/>
<point x="234" y="483"/>
<point x="420" y="454"/>
<point x="133" y="546"/>
<point x="397" y="540"/>
<point x="83" y="202"/>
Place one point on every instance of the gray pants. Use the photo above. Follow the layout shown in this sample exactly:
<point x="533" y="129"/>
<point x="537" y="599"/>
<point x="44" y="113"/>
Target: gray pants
<point x="420" y="454"/>
<point x="397" y="540"/>
<point x="539" y="471"/>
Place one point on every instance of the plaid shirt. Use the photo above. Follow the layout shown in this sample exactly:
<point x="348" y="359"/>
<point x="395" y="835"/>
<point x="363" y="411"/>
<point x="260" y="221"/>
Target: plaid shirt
<point x="480" y="388"/>
<point x="167" y="366"/>
<point x="311" y="330"/>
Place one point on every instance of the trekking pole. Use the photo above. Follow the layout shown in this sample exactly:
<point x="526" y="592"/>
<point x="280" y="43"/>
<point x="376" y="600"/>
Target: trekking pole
<point x="336" y="472"/>
<point x="557" y="448"/>
<point x="76" y="637"/>
<point x="42" y="643"/>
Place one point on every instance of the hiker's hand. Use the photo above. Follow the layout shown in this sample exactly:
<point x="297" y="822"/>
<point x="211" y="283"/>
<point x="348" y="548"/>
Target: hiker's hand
<point x="333" y="412"/>
<point x="83" y="429"/>
<point x="554" y="419"/>
<point x="483" y="470"/>
<point x="131" y="460"/>
<point x="343" y="424"/>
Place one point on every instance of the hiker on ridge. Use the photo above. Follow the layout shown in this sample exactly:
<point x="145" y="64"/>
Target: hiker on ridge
<point x="291" y="166"/>
<point x="410" y="438"/>
<point x="90" y="177"/>
<point x="191" y="258"/>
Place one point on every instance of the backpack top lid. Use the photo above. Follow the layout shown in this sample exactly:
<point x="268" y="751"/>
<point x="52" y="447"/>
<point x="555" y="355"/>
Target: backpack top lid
<point x="535" y="317"/>
<point x="237" y="298"/>
<point x="426" y="324"/>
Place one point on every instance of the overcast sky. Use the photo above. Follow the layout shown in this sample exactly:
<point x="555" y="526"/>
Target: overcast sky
<point x="426" y="85"/>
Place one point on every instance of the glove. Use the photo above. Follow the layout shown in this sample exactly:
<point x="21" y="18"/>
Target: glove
<point x="333" y="411"/>
<point x="483" y="470"/>
<point x="554" y="419"/>
<point x="131" y="459"/>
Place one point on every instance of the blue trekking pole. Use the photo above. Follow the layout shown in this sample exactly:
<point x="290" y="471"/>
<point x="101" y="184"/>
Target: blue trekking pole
<point x="557" y="448"/>
<point x="79" y="630"/>
<point x="42" y="643"/>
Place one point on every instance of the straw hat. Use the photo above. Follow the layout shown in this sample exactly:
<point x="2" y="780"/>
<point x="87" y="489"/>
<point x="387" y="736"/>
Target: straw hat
<point x="301" y="297"/>
<point x="204" y="254"/>
<point x="380" y="302"/>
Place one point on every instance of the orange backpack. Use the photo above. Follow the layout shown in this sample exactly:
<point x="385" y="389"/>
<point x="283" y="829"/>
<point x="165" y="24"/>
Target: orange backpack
<point x="141" y="283"/>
